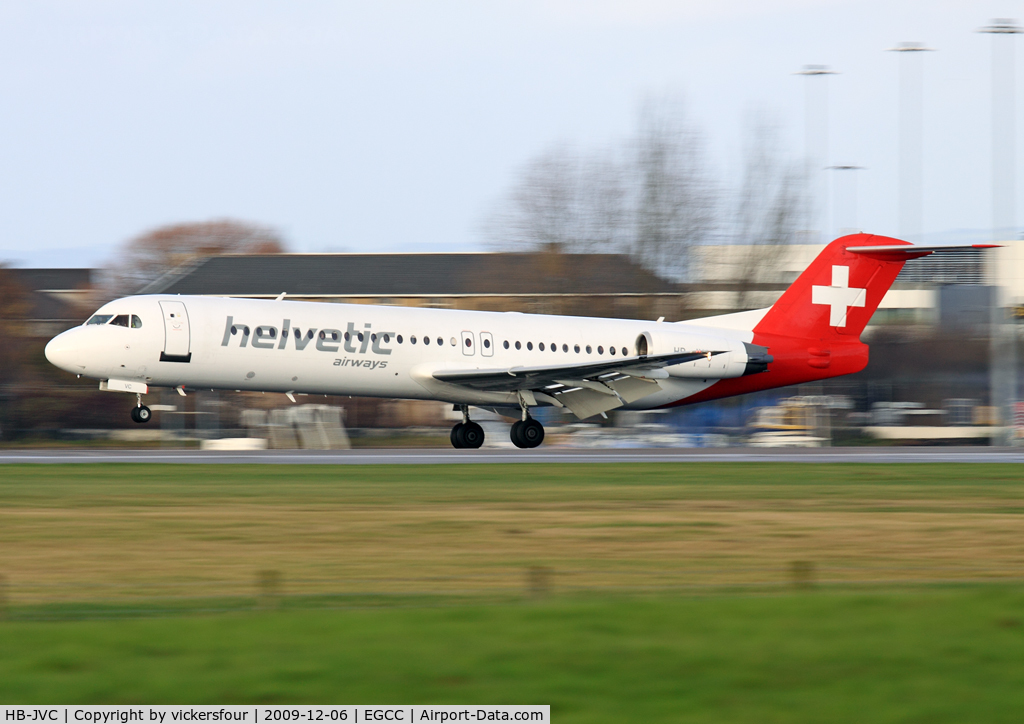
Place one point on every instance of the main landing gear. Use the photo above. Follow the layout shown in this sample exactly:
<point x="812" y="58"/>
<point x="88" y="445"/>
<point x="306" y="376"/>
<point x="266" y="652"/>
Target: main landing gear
<point x="467" y="434"/>
<point x="526" y="433"/>
<point x="141" y="413"/>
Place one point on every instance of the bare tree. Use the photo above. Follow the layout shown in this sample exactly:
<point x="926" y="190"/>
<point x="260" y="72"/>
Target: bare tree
<point x="145" y="258"/>
<point x="651" y="197"/>
<point x="565" y="201"/>
<point x="771" y="206"/>
<point x="676" y="200"/>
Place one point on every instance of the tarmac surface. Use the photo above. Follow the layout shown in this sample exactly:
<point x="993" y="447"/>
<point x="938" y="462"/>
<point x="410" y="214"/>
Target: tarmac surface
<point x="405" y="456"/>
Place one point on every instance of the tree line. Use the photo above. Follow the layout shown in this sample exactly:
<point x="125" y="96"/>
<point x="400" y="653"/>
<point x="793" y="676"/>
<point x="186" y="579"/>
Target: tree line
<point x="654" y="196"/>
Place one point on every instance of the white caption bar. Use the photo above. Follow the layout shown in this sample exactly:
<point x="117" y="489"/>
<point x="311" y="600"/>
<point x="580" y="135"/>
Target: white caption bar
<point x="265" y="714"/>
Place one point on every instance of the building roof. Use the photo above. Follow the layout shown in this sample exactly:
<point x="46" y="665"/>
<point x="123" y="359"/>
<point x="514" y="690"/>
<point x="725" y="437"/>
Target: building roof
<point x="398" y="275"/>
<point x="52" y="296"/>
<point x="34" y="280"/>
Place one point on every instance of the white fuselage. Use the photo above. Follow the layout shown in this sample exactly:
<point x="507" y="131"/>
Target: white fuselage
<point x="346" y="349"/>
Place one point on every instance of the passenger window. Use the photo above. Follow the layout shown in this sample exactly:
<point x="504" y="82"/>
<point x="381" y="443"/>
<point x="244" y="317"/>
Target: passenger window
<point x="518" y="345"/>
<point x="426" y="340"/>
<point x="529" y="346"/>
<point x="611" y="350"/>
<point x="121" y="320"/>
<point x="600" y="349"/>
<point x="441" y="341"/>
<point x="565" y="348"/>
<point x="541" y="346"/>
<point x="624" y="352"/>
<point x="577" y="348"/>
<point x="505" y="344"/>
<point x="588" y="349"/>
<point x="136" y="322"/>
<point x="99" y="318"/>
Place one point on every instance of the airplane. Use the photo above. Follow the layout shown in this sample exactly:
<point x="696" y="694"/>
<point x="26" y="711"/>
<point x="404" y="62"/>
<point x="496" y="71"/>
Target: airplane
<point x="507" y="362"/>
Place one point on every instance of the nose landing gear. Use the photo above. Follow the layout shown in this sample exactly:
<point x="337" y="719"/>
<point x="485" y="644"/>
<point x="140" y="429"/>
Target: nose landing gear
<point x="467" y="434"/>
<point x="141" y="413"/>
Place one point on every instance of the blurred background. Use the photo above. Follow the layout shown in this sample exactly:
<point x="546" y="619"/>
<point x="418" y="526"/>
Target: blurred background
<point x="655" y="159"/>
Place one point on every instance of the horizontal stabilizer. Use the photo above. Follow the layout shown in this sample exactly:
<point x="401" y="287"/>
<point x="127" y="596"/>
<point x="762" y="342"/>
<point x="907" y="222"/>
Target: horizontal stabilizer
<point x="904" y="252"/>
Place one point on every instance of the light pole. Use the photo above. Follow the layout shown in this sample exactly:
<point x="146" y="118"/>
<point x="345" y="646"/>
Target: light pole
<point x="816" y="141"/>
<point x="844" y="202"/>
<point x="1003" y="333"/>
<point x="911" y="197"/>
<point x="1004" y="154"/>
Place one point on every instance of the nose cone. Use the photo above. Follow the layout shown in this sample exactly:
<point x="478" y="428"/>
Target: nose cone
<point x="60" y="351"/>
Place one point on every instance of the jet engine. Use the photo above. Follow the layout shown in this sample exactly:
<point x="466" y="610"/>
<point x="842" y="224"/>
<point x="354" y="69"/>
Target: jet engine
<point x="725" y="358"/>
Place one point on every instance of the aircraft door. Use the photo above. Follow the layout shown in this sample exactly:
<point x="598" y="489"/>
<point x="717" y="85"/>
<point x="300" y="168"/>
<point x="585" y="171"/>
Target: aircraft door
<point x="468" y="344"/>
<point x="177" y="337"/>
<point x="486" y="344"/>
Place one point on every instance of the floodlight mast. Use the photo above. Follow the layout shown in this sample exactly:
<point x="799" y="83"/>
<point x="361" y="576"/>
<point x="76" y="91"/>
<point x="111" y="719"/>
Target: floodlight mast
<point x="844" y="203"/>
<point x="1003" y="332"/>
<point x="816" y="141"/>
<point x="911" y="123"/>
<point x="1003" y="141"/>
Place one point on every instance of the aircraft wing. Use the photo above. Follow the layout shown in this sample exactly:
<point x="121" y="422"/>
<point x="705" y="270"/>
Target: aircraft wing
<point x="587" y="388"/>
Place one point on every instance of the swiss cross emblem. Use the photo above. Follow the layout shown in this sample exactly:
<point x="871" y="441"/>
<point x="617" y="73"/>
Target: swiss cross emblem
<point x="839" y="297"/>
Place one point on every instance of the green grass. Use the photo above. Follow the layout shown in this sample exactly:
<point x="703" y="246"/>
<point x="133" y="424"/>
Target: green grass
<point x="736" y="646"/>
<point x="943" y="655"/>
<point x="154" y="484"/>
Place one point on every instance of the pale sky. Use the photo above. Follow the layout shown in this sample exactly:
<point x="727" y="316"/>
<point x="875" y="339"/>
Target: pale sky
<point x="394" y="126"/>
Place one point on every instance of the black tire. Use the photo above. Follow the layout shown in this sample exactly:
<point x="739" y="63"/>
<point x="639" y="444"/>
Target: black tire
<point x="515" y="434"/>
<point x="472" y="435"/>
<point x="143" y="414"/>
<point x="531" y="433"/>
<point x="135" y="415"/>
<point x="456" y="436"/>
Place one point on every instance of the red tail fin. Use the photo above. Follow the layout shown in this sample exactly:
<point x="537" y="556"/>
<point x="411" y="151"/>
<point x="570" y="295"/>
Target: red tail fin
<point x="836" y="295"/>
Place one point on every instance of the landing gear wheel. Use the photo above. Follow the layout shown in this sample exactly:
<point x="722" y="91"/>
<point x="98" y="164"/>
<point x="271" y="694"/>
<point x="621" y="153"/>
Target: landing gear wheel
<point x="141" y="414"/>
<point x="471" y="435"/>
<point x="526" y="433"/>
<point x="531" y="432"/>
<point x="513" y="434"/>
<point x="456" y="435"/>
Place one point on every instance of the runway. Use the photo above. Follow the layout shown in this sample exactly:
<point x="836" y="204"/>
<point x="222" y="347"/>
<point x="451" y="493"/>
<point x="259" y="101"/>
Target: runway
<point x="505" y="457"/>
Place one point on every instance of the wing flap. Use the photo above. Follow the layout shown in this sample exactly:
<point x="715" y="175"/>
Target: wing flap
<point x="586" y="403"/>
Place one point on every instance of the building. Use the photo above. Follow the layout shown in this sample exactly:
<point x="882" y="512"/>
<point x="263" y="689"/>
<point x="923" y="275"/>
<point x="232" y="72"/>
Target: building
<point x="54" y="299"/>
<point x="727" y="278"/>
<point x="608" y="285"/>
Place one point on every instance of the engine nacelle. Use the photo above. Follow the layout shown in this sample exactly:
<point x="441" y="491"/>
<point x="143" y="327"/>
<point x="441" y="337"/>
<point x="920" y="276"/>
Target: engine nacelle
<point x="734" y="358"/>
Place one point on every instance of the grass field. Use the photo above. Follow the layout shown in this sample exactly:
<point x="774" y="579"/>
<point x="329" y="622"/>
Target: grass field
<point x="690" y="592"/>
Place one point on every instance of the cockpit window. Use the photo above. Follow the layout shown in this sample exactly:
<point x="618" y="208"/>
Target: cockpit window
<point x="136" y="322"/>
<point x="121" y="320"/>
<point x="99" y="318"/>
